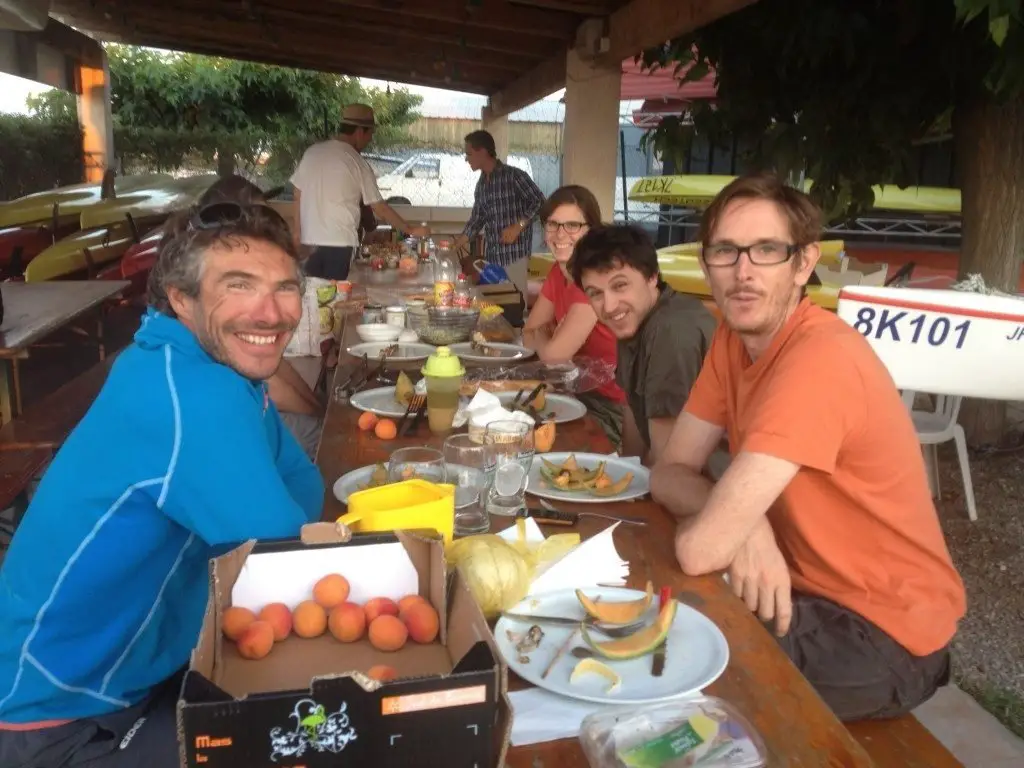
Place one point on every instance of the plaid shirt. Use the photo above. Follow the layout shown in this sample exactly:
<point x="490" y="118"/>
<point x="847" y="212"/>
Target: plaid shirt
<point x="506" y="196"/>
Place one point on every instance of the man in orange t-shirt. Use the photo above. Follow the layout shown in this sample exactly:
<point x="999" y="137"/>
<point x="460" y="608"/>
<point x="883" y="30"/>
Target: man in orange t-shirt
<point x="824" y="520"/>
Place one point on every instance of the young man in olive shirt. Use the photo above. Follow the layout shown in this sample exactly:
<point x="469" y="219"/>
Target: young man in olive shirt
<point x="663" y="335"/>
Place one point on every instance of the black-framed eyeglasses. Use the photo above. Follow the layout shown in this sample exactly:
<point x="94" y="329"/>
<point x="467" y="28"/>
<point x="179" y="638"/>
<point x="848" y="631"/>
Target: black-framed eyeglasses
<point x="569" y="227"/>
<point x="765" y="253"/>
<point x="228" y="213"/>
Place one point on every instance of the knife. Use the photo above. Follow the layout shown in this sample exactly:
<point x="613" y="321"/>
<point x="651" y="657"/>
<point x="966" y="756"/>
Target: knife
<point x="550" y="515"/>
<point x="560" y="620"/>
<point x="658" y="661"/>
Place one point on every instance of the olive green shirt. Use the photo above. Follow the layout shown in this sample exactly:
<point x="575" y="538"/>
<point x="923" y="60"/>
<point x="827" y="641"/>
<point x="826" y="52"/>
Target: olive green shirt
<point x="658" y="366"/>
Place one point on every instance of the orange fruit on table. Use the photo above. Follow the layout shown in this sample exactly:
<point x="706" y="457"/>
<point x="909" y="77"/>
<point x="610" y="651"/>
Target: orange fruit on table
<point x="234" y="621"/>
<point x="310" y="619"/>
<point x="331" y="590"/>
<point x="279" y="617"/>
<point x="388" y="633"/>
<point x="368" y="421"/>
<point x="544" y="437"/>
<point x="347" y="622"/>
<point x="257" y="640"/>
<point x="421" y="621"/>
<point x="386" y="429"/>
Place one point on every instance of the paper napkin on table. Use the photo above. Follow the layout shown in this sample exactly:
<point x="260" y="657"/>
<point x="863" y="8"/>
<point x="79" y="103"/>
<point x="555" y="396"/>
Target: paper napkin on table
<point x="485" y="407"/>
<point x="594" y="562"/>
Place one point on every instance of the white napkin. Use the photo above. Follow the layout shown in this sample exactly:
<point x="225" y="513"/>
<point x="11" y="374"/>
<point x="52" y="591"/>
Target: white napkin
<point x="485" y="407"/>
<point x="594" y="562"/>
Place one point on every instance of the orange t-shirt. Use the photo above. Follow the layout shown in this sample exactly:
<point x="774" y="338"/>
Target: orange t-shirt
<point x="856" y="524"/>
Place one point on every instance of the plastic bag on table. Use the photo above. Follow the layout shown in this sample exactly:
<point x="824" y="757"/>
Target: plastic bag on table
<point x="494" y="327"/>
<point x="583" y="374"/>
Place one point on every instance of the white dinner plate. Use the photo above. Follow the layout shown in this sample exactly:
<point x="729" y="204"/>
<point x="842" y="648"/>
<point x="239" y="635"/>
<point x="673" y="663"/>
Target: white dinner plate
<point x="696" y="652"/>
<point x="508" y="353"/>
<point x="615" y="467"/>
<point x="557" y="408"/>
<point x="380" y="400"/>
<point x="407" y="352"/>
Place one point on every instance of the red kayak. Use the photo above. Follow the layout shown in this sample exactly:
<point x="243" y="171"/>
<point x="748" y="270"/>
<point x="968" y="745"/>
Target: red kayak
<point x="19" y="245"/>
<point x="136" y="263"/>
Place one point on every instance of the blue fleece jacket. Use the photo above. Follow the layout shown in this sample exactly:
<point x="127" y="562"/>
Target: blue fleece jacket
<point x="103" y="590"/>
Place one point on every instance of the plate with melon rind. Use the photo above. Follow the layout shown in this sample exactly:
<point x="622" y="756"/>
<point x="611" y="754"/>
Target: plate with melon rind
<point x="696" y="652"/>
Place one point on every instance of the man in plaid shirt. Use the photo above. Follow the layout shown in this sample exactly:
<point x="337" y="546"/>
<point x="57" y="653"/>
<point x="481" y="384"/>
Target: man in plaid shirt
<point x="505" y="204"/>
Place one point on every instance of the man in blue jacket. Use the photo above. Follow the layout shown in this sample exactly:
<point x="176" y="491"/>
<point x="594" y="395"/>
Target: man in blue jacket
<point x="181" y="457"/>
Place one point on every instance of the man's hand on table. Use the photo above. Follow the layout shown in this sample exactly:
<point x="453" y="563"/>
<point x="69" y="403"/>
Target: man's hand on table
<point x="759" y="576"/>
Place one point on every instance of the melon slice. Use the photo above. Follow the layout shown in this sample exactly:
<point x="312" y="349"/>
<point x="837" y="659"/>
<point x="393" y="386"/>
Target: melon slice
<point x="617" y="487"/>
<point x="638" y="644"/>
<point x="617" y="613"/>
<point x="595" y="667"/>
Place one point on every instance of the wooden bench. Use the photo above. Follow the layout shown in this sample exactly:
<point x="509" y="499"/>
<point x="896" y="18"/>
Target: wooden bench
<point x="902" y="743"/>
<point x="47" y="422"/>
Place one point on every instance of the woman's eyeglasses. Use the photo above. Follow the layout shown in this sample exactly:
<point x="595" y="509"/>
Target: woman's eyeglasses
<point x="569" y="227"/>
<point x="766" y="253"/>
<point x="227" y="213"/>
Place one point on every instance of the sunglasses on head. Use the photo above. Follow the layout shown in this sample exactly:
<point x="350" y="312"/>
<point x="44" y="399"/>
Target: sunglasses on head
<point x="227" y="213"/>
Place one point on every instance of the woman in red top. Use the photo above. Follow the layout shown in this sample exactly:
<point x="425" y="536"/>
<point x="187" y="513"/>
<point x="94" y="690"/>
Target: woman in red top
<point x="562" y="324"/>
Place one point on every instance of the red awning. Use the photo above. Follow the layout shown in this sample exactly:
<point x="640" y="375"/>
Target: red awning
<point x="661" y="92"/>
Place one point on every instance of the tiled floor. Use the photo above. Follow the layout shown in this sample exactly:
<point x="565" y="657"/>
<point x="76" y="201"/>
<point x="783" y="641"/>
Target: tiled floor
<point x="974" y="737"/>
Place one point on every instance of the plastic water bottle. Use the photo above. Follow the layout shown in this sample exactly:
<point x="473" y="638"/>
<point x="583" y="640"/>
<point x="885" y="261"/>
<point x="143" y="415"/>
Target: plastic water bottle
<point x="444" y="276"/>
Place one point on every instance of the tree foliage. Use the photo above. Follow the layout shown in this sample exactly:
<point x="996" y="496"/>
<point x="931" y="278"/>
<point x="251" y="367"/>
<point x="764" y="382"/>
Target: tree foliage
<point x="172" y="107"/>
<point x="842" y="89"/>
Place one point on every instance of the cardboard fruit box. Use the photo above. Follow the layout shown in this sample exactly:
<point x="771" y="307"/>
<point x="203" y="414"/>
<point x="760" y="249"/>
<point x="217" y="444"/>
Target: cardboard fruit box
<point x="309" y="702"/>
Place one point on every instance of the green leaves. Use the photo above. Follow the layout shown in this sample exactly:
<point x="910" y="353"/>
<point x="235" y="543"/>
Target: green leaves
<point x="842" y="90"/>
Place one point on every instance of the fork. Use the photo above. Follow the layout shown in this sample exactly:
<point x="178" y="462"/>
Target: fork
<point x="415" y="403"/>
<point x="378" y="375"/>
<point x="611" y="630"/>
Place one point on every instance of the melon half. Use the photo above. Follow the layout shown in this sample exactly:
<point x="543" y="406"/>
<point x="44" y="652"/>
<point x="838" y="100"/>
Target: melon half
<point x="617" y="613"/>
<point x="638" y="644"/>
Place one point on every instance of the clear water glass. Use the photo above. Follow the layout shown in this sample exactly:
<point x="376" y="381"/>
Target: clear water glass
<point x="417" y="463"/>
<point x="470" y="467"/>
<point x="513" y="448"/>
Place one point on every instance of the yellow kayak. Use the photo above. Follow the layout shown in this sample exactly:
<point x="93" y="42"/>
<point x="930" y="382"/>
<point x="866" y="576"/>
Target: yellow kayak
<point x="697" y="191"/>
<point x="70" y="201"/>
<point x="151" y="201"/>
<point x="681" y="270"/>
<point x="67" y="256"/>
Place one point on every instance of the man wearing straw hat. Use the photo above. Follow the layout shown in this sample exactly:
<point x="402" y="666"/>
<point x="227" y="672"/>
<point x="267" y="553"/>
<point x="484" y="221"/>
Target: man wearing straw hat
<point x="330" y="183"/>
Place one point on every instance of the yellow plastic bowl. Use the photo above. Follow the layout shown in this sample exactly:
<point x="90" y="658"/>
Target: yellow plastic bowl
<point x="406" y="505"/>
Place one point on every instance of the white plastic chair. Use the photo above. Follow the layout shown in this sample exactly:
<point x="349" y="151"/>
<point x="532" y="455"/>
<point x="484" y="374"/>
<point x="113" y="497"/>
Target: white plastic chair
<point x="937" y="427"/>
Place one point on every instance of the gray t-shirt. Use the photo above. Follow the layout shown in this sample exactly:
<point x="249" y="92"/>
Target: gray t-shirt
<point x="658" y="366"/>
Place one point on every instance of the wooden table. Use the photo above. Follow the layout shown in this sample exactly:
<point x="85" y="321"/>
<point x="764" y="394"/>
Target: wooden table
<point x="33" y="311"/>
<point x="760" y="680"/>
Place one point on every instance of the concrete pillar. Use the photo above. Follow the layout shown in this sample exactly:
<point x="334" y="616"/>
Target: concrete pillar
<point x="591" y="133"/>
<point x="95" y="118"/>
<point x="498" y="128"/>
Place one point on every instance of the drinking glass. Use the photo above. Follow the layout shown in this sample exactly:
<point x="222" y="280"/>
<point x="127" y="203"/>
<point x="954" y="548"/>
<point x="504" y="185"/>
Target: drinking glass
<point x="512" y="446"/>
<point x="469" y="466"/>
<point x="419" y="463"/>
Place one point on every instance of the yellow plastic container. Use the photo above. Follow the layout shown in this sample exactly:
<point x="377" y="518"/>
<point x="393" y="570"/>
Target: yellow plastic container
<point x="403" y="506"/>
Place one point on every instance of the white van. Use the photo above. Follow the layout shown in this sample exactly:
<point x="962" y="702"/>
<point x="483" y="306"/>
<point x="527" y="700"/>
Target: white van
<point x="437" y="179"/>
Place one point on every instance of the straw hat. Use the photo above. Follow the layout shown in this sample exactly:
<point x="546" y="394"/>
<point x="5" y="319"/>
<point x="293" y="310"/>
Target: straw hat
<point x="360" y="115"/>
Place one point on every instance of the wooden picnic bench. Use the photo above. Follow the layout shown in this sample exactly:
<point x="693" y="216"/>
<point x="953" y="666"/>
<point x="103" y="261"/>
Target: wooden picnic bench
<point x="797" y="726"/>
<point x="17" y="471"/>
<point x="47" y="422"/>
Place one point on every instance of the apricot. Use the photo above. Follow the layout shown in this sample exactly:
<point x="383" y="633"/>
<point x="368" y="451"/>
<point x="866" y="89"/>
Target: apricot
<point x="406" y="602"/>
<point x="309" y="619"/>
<point x="331" y="590"/>
<point x="367" y="421"/>
<point x="388" y="633"/>
<point x="257" y="640"/>
<point x="386" y="429"/>
<point x="379" y="606"/>
<point x="382" y="672"/>
<point x="235" y="621"/>
<point x="421" y="621"/>
<point x="279" y="617"/>
<point x="347" y="622"/>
